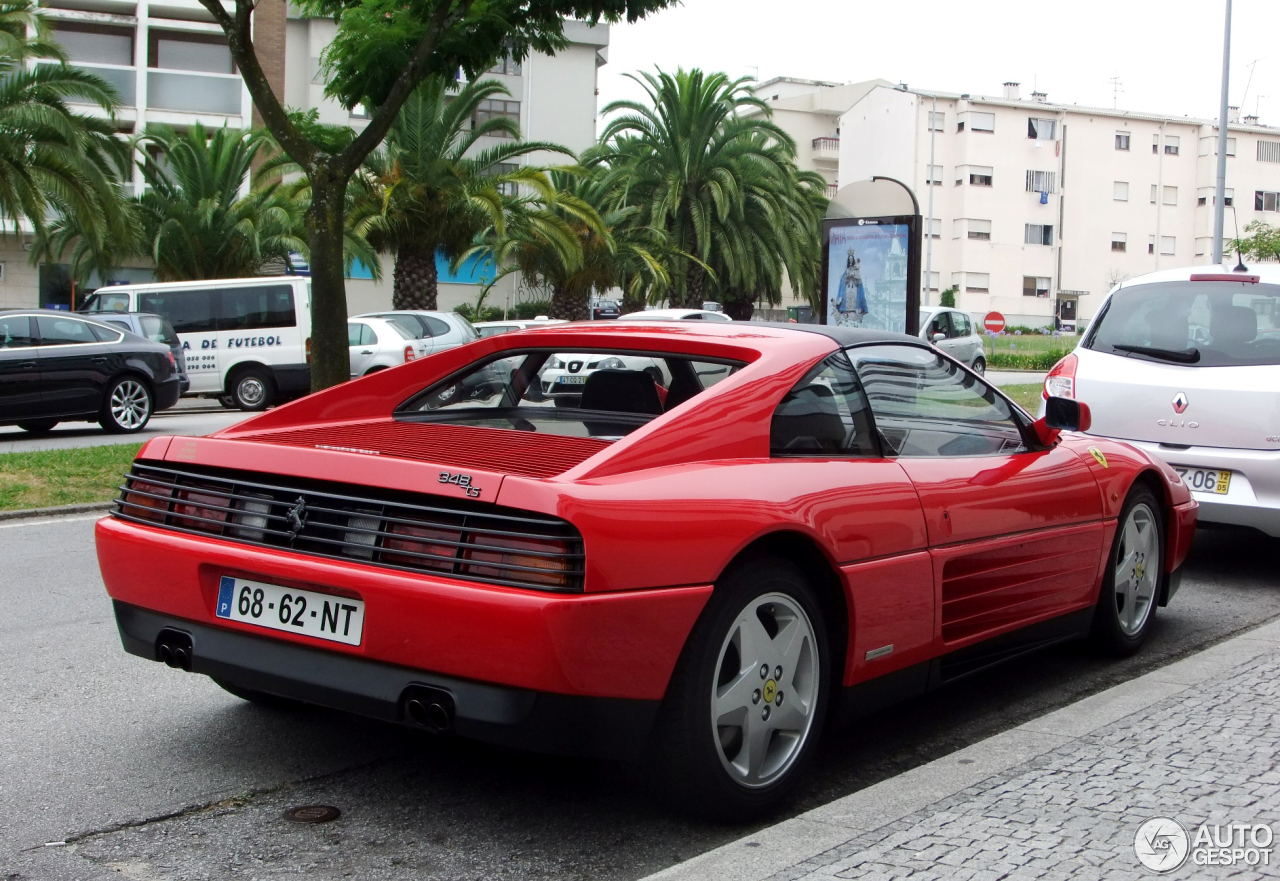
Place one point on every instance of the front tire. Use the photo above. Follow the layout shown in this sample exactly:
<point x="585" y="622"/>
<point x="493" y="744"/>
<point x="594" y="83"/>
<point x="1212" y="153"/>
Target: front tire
<point x="745" y="707"/>
<point x="127" y="406"/>
<point x="1126" y="606"/>
<point x="253" y="390"/>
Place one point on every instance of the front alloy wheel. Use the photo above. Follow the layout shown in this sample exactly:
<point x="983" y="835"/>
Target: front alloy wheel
<point x="1131" y="590"/>
<point x="128" y="406"/>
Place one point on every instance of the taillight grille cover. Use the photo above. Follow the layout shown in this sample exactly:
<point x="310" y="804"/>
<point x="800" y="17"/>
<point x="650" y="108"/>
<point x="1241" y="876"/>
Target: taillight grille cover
<point x="394" y="530"/>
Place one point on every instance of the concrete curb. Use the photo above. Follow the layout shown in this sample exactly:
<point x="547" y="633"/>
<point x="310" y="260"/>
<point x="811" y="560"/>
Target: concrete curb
<point x="779" y="847"/>
<point x="55" y="511"/>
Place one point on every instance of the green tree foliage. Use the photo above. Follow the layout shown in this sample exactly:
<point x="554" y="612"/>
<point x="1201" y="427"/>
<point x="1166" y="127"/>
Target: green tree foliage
<point x="1262" y="243"/>
<point x="382" y="50"/>
<point x="422" y="192"/>
<point x="706" y="165"/>
<point x="54" y="162"/>
<point x="196" y="222"/>
<point x="948" y="297"/>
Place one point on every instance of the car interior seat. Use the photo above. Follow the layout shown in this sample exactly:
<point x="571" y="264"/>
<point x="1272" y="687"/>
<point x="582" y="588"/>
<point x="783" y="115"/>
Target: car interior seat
<point x="619" y="391"/>
<point x="807" y="422"/>
<point x="1233" y="324"/>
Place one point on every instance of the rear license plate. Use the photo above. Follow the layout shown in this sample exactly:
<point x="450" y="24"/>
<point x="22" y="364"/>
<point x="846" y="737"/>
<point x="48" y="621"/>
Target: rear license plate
<point x="321" y="615"/>
<point x="1205" y="480"/>
<point x="573" y="380"/>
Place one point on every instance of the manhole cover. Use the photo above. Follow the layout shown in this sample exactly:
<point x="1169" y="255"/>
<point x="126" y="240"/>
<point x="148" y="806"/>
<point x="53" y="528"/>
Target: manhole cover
<point x="313" y="814"/>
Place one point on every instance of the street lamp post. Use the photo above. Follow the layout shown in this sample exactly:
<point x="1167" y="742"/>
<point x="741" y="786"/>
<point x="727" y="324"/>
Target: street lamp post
<point x="1220" y="191"/>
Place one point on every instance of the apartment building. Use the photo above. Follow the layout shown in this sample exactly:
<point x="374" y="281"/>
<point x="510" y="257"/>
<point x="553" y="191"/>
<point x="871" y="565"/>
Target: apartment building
<point x="1036" y="209"/>
<point x="169" y="63"/>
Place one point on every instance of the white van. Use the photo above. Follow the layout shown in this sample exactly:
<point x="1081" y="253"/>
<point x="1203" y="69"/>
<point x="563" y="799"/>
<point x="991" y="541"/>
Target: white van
<point x="244" y="338"/>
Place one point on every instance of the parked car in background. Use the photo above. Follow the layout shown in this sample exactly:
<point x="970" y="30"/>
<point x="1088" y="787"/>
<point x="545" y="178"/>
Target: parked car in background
<point x="955" y="333"/>
<point x="494" y="328"/>
<point x="379" y="343"/>
<point x="1185" y="364"/>
<point x="246" y="339"/>
<point x="156" y="329"/>
<point x="606" y="309"/>
<point x="56" y="367"/>
<point x="675" y="315"/>
<point x="438" y="331"/>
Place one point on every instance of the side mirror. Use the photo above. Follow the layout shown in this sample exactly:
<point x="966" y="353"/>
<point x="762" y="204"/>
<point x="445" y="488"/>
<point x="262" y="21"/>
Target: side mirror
<point x="939" y="337"/>
<point x="1061" y="414"/>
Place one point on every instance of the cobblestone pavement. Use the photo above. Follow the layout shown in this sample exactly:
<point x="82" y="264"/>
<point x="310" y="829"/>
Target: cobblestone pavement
<point x="1209" y="756"/>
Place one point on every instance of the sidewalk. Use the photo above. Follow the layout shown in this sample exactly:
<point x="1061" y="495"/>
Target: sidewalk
<point x="1060" y="797"/>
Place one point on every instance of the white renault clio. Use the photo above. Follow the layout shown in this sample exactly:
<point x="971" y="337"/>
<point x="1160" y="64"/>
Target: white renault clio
<point x="1185" y="364"/>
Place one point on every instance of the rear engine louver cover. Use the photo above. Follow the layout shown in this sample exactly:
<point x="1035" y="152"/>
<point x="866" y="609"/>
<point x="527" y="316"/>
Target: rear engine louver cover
<point x="492" y="449"/>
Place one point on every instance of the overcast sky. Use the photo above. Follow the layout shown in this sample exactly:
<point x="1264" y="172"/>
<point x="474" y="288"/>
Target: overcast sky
<point x="1166" y="53"/>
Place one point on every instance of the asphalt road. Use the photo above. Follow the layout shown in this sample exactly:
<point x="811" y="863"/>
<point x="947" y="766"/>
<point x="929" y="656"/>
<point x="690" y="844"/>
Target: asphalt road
<point x="185" y="421"/>
<point x="150" y="773"/>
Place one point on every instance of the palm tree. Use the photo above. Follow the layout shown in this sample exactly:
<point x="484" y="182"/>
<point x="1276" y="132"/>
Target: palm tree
<point x="579" y="240"/>
<point x="422" y="193"/>
<point x="706" y="164"/>
<point x="53" y="161"/>
<point x="196" y="222"/>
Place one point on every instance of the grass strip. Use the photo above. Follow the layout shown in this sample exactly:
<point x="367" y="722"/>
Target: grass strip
<point x="44" y="478"/>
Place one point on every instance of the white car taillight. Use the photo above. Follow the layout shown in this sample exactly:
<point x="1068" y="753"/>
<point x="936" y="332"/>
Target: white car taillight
<point x="1061" y="381"/>
<point x="409" y="354"/>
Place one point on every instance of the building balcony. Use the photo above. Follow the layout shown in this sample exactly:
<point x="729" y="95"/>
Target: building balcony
<point x="826" y="150"/>
<point x="192" y="92"/>
<point x="121" y="78"/>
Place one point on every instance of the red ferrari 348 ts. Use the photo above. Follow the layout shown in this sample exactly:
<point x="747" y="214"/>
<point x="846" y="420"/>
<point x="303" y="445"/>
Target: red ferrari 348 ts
<point x="694" y="543"/>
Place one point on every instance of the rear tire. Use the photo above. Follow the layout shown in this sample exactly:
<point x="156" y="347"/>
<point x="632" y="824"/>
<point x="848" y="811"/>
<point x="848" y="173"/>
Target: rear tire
<point x="127" y="406"/>
<point x="730" y="743"/>
<point x="1130" y="591"/>
<point x="252" y="390"/>
<point x="980" y="366"/>
<point x="38" y="426"/>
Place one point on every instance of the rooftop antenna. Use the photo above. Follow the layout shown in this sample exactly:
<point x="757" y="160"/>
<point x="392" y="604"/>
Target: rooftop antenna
<point x="1252" y="64"/>
<point x="1116" y="88"/>
<point x="1239" y="267"/>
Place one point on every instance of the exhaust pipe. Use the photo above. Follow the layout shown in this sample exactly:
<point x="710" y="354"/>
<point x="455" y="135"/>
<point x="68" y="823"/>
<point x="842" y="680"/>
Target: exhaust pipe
<point x="174" y="649"/>
<point x="429" y="708"/>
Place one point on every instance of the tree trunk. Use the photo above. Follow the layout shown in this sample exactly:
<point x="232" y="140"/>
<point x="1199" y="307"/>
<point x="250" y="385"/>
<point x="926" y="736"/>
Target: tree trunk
<point x="416" y="280"/>
<point x="695" y="285"/>
<point x="632" y="302"/>
<point x="330" y="359"/>
<point x="568" y="305"/>
<point x="738" y="304"/>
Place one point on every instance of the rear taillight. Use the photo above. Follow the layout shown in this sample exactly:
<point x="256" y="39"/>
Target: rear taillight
<point x="421" y="547"/>
<point x="173" y="362"/>
<point x="538" y="561"/>
<point x="408" y="354"/>
<point x="197" y="508"/>
<point x="147" y="501"/>
<point x="1061" y="381"/>
<point x="308" y="350"/>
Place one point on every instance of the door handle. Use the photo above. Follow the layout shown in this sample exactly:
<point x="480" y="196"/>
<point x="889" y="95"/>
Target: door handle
<point x="366" y="352"/>
<point x="26" y="365"/>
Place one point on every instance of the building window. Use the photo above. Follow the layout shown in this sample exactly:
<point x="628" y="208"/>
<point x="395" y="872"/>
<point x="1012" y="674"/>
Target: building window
<point x="980" y="230"/>
<point x="1171" y="195"/>
<point x="1168" y="245"/>
<point x="957" y="280"/>
<point x="1120" y="191"/>
<point x="1038" y="234"/>
<point x="1264" y="201"/>
<point x="1204" y="196"/>
<point x="1035" y="286"/>
<point x="489" y="109"/>
<point x="1119" y="241"/>
<point x="510" y="188"/>
<point x="937" y="121"/>
<point x="507" y="65"/>
<point x="1269" y="151"/>
<point x="977" y="175"/>
<point x="1153" y="194"/>
<point x="203" y="53"/>
<point x="1155" y="143"/>
<point x="1202" y="245"/>
<point x="359" y="112"/>
<point x="934" y="175"/>
<point x="1151" y="244"/>
<point x="977" y="282"/>
<point x="1041" y="181"/>
<point x="934" y="278"/>
<point x="933" y="227"/>
<point x="96" y="44"/>
<point x="1041" y="129"/>
<point x="1171" y="145"/>
<point x="1122" y="140"/>
<point x="1210" y="145"/>
<point x="976" y="122"/>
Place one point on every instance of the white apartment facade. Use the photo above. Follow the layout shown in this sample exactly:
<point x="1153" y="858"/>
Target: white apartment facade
<point x="169" y="63"/>
<point x="1033" y="208"/>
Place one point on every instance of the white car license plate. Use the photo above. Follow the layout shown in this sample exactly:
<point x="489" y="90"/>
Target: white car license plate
<point x="324" y="616"/>
<point x="573" y="380"/>
<point x="1205" y="480"/>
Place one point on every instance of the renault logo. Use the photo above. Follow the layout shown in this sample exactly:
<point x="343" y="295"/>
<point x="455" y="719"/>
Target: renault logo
<point x="1180" y="402"/>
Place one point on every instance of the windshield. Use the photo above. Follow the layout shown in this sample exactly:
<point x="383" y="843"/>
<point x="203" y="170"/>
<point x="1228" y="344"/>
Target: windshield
<point x="600" y="394"/>
<point x="1197" y="323"/>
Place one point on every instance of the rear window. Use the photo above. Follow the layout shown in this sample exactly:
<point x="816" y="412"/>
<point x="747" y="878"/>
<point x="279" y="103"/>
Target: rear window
<point x="1193" y="323"/>
<point x="101" y="302"/>
<point x="158" y="330"/>
<point x="600" y="394"/>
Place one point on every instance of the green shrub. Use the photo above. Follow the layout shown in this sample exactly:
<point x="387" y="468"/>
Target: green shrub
<point x="486" y="313"/>
<point x="948" y="298"/>
<point x="1024" y="360"/>
<point x="530" y="310"/>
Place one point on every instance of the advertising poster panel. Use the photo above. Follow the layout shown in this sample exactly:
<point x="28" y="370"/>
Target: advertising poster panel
<point x="871" y="272"/>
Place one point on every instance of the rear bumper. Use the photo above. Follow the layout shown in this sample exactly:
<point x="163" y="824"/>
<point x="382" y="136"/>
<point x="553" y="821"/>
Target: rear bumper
<point x="292" y="377"/>
<point x="1253" y="498"/>
<point x="606" y="728"/>
<point x="168" y="391"/>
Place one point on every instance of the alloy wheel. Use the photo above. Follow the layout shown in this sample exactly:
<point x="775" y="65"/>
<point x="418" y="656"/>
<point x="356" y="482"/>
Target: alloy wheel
<point x="1137" y="573"/>
<point x="766" y="687"/>
<point x="130" y="405"/>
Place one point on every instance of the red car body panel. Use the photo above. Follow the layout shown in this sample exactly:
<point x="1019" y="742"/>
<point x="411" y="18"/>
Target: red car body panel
<point x="931" y="555"/>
